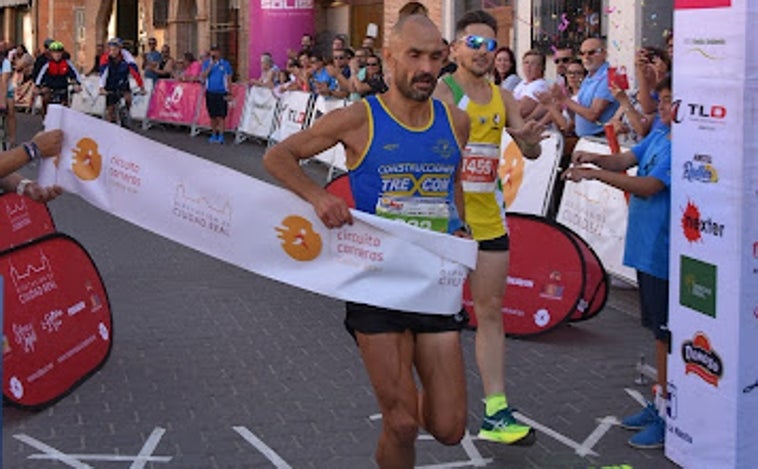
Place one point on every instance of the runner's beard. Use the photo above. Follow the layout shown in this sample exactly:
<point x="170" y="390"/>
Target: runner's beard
<point x="475" y="70"/>
<point x="407" y="89"/>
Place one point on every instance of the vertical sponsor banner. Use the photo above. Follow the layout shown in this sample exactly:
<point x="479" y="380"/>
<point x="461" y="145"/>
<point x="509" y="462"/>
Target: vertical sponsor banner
<point x="22" y="220"/>
<point x="712" y="297"/>
<point x="598" y="213"/>
<point x="214" y="210"/>
<point x="258" y="113"/>
<point x="528" y="184"/>
<point x="276" y="26"/>
<point x="175" y="102"/>
<point x="236" y="105"/>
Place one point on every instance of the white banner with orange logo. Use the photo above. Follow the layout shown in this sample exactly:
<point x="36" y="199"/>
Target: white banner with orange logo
<point x="528" y="184"/>
<point x="255" y="225"/>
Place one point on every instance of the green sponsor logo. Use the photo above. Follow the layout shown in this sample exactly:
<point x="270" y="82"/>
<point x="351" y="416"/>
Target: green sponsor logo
<point x="697" y="285"/>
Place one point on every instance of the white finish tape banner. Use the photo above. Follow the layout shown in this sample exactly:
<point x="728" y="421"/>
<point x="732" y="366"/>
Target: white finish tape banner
<point x="528" y="184"/>
<point x="258" y="113"/>
<point x="598" y="213"/>
<point x="255" y="225"/>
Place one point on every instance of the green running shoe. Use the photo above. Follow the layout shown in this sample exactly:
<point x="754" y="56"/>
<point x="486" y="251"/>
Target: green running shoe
<point x="503" y="428"/>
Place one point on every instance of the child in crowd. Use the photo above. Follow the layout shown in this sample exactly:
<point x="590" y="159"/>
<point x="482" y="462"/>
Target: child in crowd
<point x="647" y="243"/>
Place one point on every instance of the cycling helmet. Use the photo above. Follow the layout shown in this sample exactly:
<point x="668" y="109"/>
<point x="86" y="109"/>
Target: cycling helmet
<point x="115" y="41"/>
<point x="56" y="46"/>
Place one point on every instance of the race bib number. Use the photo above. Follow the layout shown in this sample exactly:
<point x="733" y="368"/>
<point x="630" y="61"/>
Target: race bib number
<point x="424" y="212"/>
<point x="479" y="170"/>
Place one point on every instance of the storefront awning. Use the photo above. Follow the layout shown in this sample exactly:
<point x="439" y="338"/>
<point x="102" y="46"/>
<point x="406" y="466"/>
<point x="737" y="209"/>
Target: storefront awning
<point x="13" y="3"/>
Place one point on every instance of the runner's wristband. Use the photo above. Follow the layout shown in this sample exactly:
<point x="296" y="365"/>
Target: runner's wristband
<point x="21" y="186"/>
<point x="32" y="151"/>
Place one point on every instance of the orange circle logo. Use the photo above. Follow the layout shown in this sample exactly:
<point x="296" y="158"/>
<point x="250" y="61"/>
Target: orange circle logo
<point x="87" y="161"/>
<point x="299" y="240"/>
<point x="511" y="171"/>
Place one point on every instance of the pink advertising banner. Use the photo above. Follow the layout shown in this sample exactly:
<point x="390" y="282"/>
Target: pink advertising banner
<point x="275" y="26"/>
<point x="236" y="106"/>
<point x="174" y="101"/>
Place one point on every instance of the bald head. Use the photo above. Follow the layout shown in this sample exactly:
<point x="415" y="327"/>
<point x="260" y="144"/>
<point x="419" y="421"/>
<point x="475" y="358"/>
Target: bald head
<point x="414" y="56"/>
<point x="416" y="25"/>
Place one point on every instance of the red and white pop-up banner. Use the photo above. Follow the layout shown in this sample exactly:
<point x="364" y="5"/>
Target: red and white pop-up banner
<point x="255" y="225"/>
<point x="713" y="306"/>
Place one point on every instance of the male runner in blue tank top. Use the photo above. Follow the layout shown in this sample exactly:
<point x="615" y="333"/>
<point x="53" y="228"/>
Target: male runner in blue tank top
<point x="402" y="148"/>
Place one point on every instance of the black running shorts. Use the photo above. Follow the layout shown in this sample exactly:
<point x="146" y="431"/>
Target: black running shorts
<point x="369" y="319"/>
<point x="503" y="243"/>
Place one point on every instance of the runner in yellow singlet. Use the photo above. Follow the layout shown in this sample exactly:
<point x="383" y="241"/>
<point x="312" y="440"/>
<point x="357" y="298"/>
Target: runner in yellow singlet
<point x="490" y="110"/>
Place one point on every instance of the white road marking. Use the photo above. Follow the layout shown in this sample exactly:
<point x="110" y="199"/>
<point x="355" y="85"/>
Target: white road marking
<point x="148" y="448"/>
<point x="476" y="457"/>
<point x="75" y="460"/>
<point x="605" y="425"/>
<point x="637" y="396"/>
<point x="552" y="433"/>
<point x="105" y="457"/>
<point x="54" y="453"/>
<point x="270" y="454"/>
<point x="447" y="465"/>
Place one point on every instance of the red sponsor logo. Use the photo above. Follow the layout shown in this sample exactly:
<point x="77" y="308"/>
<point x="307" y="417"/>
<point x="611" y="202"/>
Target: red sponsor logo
<point x="691" y="231"/>
<point x="700" y="359"/>
<point x="694" y="225"/>
<point x="692" y="4"/>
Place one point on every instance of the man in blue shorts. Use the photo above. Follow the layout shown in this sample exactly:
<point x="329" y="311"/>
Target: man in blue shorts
<point x="647" y="244"/>
<point x="386" y="138"/>
<point x="217" y="73"/>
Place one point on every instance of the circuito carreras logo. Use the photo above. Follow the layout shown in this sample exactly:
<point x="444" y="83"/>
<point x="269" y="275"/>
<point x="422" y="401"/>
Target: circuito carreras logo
<point x="87" y="161"/>
<point x="299" y="240"/>
<point x="511" y="172"/>
<point x="700" y="359"/>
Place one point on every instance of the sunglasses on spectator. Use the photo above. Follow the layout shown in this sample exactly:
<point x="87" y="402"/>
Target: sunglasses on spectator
<point x="476" y="42"/>
<point x="590" y="53"/>
<point x="562" y="60"/>
<point x="372" y="64"/>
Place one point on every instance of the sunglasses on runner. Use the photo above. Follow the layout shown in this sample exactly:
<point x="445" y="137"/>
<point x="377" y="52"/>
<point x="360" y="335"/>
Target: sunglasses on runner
<point x="475" y="42"/>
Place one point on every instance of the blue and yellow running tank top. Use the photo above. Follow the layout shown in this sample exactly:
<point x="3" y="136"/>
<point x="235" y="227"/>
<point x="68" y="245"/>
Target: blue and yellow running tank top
<point x="484" y="213"/>
<point x="408" y="172"/>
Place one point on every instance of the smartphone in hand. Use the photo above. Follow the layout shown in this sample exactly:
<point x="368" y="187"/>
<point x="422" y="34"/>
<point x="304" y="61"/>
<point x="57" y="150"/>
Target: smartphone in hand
<point x="617" y="75"/>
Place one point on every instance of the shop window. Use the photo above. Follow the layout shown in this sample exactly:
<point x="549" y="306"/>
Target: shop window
<point x="160" y="13"/>
<point x="565" y="23"/>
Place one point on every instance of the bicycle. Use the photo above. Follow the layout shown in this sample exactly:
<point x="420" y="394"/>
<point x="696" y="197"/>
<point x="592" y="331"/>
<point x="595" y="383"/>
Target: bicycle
<point x="122" y="113"/>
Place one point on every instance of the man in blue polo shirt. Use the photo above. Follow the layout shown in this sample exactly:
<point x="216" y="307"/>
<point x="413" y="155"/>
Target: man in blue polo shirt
<point x="217" y="74"/>
<point x="595" y="104"/>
